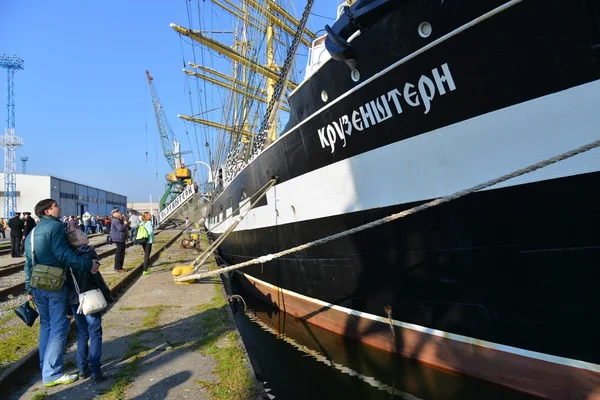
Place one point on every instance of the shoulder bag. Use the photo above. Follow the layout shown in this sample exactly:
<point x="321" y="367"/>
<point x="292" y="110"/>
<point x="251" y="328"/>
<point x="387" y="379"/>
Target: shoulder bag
<point x="43" y="276"/>
<point x="90" y="302"/>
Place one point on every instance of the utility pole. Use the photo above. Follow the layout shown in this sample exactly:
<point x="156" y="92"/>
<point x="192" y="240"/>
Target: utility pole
<point x="10" y="141"/>
<point x="24" y="161"/>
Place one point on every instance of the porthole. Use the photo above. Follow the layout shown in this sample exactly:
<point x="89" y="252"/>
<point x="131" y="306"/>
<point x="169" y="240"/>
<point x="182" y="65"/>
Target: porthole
<point x="355" y="75"/>
<point x="324" y="96"/>
<point x="425" y="29"/>
<point x="293" y="209"/>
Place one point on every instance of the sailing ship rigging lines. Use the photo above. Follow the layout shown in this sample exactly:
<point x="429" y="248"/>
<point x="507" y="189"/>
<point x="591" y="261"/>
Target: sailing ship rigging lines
<point x="236" y="74"/>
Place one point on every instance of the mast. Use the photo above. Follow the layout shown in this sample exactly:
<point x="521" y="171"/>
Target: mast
<point x="279" y="22"/>
<point x="272" y="134"/>
<point x="212" y="124"/>
<point x="228" y="52"/>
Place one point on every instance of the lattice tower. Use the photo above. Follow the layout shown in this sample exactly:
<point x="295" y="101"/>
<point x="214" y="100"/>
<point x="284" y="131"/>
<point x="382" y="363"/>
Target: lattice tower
<point x="10" y="141"/>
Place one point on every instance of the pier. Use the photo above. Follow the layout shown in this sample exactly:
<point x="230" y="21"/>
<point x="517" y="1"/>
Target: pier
<point x="160" y="339"/>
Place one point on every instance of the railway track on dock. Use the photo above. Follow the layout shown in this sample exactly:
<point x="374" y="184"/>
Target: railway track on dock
<point x="12" y="277"/>
<point x="15" y="372"/>
<point x="5" y="247"/>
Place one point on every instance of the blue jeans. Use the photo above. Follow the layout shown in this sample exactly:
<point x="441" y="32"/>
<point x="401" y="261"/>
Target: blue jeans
<point x="54" y="326"/>
<point x="134" y="232"/>
<point x="89" y="327"/>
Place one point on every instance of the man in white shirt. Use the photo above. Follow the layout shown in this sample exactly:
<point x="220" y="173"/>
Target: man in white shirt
<point x="134" y="224"/>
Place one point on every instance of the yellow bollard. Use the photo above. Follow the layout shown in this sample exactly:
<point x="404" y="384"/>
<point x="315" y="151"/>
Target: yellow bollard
<point x="182" y="270"/>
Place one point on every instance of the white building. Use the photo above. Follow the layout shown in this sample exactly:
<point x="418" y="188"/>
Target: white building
<point x="152" y="208"/>
<point x="74" y="198"/>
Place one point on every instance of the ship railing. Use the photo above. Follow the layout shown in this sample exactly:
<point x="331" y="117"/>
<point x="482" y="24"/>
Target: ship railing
<point x="317" y="56"/>
<point x="340" y="9"/>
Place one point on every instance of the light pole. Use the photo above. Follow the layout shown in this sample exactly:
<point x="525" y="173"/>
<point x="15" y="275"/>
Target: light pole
<point x="210" y="179"/>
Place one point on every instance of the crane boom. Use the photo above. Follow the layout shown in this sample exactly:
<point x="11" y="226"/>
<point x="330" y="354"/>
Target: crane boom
<point x="180" y="175"/>
<point x="164" y="129"/>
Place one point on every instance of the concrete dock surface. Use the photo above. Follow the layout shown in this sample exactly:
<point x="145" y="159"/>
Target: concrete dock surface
<point x="161" y="340"/>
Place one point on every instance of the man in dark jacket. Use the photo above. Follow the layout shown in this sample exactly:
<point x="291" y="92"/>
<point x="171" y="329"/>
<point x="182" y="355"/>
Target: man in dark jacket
<point x="118" y="234"/>
<point x="16" y="226"/>
<point x="29" y="224"/>
<point x="51" y="249"/>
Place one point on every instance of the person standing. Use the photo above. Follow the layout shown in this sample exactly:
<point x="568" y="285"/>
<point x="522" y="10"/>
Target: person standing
<point x="187" y="223"/>
<point x="29" y="224"/>
<point x="89" y="327"/>
<point x="118" y="234"/>
<point x="147" y="223"/>
<point x="93" y="224"/>
<point x="3" y="228"/>
<point x="16" y="226"/>
<point x="72" y="224"/>
<point x="87" y="223"/>
<point x="134" y="224"/>
<point x="51" y="248"/>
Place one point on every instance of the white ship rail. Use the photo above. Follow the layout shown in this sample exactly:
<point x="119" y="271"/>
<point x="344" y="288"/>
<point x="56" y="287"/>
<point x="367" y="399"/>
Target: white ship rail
<point x="176" y="204"/>
<point x="317" y="56"/>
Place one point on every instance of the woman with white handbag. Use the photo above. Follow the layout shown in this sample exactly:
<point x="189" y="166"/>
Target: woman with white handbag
<point x="88" y="298"/>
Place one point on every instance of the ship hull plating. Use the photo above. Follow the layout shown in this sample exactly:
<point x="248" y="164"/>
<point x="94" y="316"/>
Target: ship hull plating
<point x="492" y="90"/>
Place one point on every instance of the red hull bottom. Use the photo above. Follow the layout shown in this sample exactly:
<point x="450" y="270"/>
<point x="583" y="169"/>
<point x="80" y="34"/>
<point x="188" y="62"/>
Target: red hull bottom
<point x="527" y="372"/>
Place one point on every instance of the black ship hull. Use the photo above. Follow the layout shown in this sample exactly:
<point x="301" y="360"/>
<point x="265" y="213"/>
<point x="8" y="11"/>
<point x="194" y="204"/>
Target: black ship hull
<point x="500" y="284"/>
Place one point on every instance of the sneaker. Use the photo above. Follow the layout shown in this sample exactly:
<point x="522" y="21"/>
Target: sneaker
<point x="63" y="380"/>
<point x="99" y="377"/>
<point x="85" y="374"/>
<point x="147" y="272"/>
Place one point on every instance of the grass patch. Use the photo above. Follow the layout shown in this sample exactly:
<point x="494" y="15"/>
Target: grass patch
<point x="125" y="377"/>
<point x="20" y="340"/>
<point x="40" y="396"/>
<point x="151" y="320"/>
<point x="235" y="382"/>
<point x="234" y="377"/>
<point x="9" y="316"/>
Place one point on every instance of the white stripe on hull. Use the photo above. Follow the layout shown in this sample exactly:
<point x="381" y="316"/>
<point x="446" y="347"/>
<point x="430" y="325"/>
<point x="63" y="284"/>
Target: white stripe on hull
<point x="444" y="161"/>
<point x="569" y="362"/>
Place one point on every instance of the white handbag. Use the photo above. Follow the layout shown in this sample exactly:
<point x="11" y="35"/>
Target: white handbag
<point x="90" y="302"/>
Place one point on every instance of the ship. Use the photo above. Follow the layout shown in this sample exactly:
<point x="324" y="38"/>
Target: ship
<point x="404" y="102"/>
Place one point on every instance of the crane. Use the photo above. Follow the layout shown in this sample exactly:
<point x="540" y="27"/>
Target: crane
<point x="181" y="175"/>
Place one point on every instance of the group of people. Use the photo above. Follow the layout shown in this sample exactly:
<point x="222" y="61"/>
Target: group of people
<point x="19" y="227"/>
<point x="50" y="244"/>
<point x="87" y="223"/>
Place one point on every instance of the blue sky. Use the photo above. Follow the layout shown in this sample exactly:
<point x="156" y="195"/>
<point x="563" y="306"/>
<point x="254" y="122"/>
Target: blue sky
<point x="83" y="104"/>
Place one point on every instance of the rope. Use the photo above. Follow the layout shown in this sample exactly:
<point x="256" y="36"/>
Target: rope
<point x="284" y="76"/>
<point x="235" y="296"/>
<point x="204" y="256"/>
<point x="404" y="213"/>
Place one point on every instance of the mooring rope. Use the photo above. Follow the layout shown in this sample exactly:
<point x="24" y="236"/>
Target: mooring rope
<point x="402" y="214"/>
<point x="204" y="256"/>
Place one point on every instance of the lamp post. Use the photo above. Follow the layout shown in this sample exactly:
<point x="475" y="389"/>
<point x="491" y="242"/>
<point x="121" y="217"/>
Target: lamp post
<point x="210" y="179"/>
